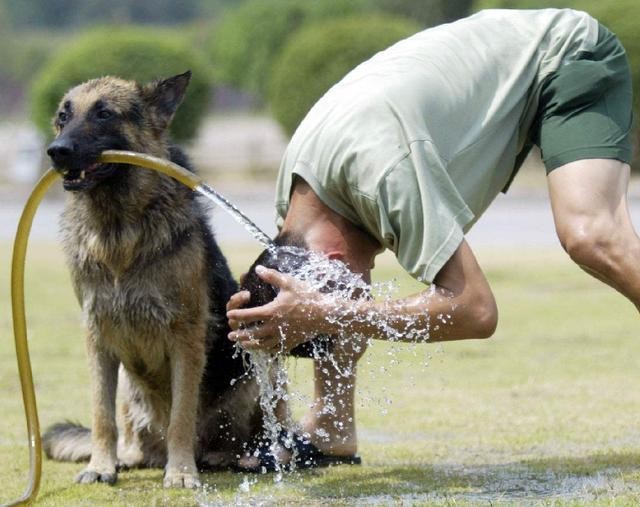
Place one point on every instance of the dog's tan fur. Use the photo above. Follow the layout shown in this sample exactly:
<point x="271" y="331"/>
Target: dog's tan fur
<point x="153" y="286"/>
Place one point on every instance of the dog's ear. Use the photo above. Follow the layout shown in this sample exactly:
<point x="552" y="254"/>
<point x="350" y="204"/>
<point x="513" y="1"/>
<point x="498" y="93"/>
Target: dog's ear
<point x="164" y="96"/>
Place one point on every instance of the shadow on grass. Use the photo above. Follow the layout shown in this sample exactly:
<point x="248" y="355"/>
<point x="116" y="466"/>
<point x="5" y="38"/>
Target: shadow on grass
<point x="561" y="477"/>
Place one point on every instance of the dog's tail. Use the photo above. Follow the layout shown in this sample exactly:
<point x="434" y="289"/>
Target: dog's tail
<point x="67" y="441"/>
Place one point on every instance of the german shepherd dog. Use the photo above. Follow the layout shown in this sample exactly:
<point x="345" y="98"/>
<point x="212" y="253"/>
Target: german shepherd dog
<point x="153" y="287"/>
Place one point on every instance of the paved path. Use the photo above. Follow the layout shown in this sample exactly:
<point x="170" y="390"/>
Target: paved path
<point x="512" y="221"/>
<point x="236" y="146"/>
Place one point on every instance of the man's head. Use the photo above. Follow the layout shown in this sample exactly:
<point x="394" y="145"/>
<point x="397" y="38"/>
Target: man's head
<point x="289" y="255"/>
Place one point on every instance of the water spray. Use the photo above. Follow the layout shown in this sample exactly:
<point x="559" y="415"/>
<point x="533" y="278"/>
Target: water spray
<point x="175" y="171"/>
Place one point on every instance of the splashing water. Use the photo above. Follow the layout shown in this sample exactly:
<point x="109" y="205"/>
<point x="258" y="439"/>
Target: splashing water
<point x="336" y="280"/>
<point x="272" y="379"/>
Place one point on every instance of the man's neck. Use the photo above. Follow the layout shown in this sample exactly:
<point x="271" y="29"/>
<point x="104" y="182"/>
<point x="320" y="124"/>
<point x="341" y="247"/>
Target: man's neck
<point x="328" y="232"/>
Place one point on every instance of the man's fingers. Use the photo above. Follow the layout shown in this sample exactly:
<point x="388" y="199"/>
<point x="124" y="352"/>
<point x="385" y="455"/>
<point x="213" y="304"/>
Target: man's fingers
<point x="249" y="315"/>
<point x="274" y="277"/>
<point x="238" y="300"/>
<point x="234" y="324"/>
<point x="261" y="332"/>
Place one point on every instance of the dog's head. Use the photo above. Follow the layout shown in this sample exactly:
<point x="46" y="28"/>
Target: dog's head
<point x="111" y="114"/>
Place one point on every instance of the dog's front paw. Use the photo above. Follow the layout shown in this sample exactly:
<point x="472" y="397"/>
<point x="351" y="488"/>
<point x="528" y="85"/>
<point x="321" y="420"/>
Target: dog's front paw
<point x="90" y="476"/>
<point x="181" y="477"/>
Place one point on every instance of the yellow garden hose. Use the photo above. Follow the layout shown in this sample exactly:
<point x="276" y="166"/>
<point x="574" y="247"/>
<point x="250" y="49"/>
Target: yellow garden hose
<point x="150" y="162"/>
<point x="20" y="335"/>
<point x="17" y="286"/>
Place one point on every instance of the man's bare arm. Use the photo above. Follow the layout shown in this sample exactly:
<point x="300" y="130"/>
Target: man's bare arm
<point x="458" y="306"/>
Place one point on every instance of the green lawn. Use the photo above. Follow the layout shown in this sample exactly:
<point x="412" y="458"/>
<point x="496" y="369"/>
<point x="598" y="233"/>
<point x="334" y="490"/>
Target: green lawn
<point x="546" y="411"/>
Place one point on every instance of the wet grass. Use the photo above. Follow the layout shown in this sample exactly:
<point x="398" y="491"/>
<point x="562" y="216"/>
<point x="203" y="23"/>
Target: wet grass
<point x="544" y="412"/>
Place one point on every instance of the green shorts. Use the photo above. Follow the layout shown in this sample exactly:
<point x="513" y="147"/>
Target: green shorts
<point x="585" y="107"/>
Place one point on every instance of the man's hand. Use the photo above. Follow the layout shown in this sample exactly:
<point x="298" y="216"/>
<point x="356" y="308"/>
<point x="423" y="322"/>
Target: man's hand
<point x="295" y="316"/>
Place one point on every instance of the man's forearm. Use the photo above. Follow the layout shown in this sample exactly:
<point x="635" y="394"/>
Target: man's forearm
<point x="431" y="315"/>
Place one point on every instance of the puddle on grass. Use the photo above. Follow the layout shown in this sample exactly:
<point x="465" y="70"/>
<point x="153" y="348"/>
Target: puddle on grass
<point x="507" y="484"/>
<point x="520" y="485"/>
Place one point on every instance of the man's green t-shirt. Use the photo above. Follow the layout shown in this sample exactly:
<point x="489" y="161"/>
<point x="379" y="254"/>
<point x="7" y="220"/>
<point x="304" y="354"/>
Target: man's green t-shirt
<point x="413" y="144"/>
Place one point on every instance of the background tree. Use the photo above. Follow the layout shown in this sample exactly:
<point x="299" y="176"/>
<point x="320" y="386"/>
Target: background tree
<point x="139" y="54"/>
<point x="425" y="12"/>
<point x="246" y="42"/>
<point x="318" y="56"/>
<point x="78" y="13"/>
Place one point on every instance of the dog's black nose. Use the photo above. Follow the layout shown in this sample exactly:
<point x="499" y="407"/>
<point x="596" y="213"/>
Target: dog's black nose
<point x="60" y="151"/>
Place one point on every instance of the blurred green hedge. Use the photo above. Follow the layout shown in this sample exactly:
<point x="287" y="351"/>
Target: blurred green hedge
<point x="141" y="54"/>
<point x="620" y="16"/>
<point x="321" y="54"/>
<point x="245" y="44"/>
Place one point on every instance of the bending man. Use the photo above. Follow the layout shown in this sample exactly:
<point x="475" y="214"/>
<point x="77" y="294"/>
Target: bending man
<point x="410" y="148"/>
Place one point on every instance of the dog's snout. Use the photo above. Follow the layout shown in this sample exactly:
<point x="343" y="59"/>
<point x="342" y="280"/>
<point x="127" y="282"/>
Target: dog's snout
<point x="60" y="150"/>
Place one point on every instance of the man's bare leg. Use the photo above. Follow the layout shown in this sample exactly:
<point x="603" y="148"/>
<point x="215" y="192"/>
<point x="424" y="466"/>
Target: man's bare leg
<point x="330" y="422"/>
<point x="590" y="209"/>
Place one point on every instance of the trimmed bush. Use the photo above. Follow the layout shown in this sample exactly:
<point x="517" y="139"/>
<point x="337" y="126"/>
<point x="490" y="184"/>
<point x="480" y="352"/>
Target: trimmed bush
<point x="249" y="38"/>
<point x="320" y="55"/>
<point x="139" y="54"/>
<point x="426" y="12"/>
<point x="245" y="44"/>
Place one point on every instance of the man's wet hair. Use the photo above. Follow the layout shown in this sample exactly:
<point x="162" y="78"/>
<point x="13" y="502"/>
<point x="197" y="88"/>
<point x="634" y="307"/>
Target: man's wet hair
<point x="289" y="254"/>
<point x="285" y="260"/>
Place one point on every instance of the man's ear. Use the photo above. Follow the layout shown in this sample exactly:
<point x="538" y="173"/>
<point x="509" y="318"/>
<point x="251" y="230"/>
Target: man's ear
<point x="166" y="95"/>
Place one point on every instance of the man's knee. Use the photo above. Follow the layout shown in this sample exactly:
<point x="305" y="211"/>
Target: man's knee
<point x="590" y="243"/>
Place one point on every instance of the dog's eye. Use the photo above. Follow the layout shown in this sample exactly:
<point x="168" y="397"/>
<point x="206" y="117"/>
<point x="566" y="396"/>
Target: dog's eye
<point x="104" y="114"/>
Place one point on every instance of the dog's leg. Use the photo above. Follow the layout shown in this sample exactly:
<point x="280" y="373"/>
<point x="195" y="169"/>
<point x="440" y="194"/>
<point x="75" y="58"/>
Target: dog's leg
<point x="187" y="364"/>
<point x="130" y="453"/>
<point x="104" y="432"/>
<point x="129" y="448"/>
